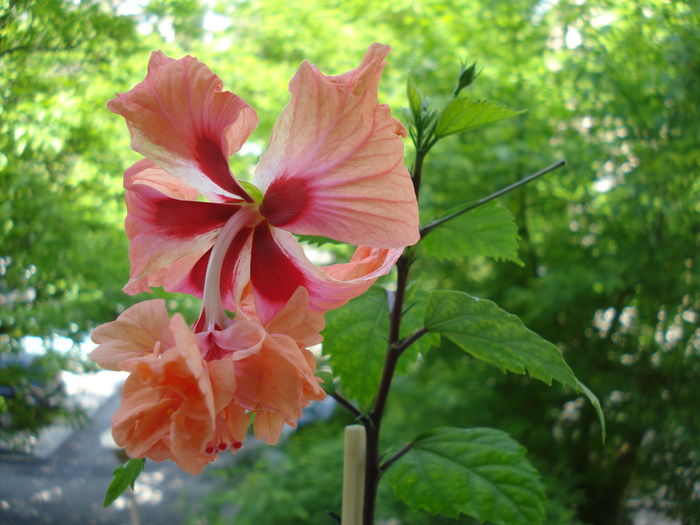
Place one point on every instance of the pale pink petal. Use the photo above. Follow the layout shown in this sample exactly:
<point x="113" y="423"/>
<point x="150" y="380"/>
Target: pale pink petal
<point x="146" y="172"/>
<point x="138" y="331"/>
<point x="180" y="119"/>
<point x="242" y="337"/>
<point x="278" y="267"/>
<point x="334" y="166"/>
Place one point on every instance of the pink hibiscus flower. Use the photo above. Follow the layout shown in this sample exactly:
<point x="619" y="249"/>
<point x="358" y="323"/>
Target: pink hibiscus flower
<point x="333" y="168"/>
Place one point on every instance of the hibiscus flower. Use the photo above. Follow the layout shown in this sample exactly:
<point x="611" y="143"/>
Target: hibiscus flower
<point x="190" y="396"/>
<point x="333" y="168"/>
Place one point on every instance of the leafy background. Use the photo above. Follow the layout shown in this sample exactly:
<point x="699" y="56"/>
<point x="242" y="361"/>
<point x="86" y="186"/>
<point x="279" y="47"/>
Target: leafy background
<point x="609" y="245"/>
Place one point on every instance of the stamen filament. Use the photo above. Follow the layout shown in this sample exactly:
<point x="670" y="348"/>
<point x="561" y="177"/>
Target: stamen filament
<point x="213" y="306"/>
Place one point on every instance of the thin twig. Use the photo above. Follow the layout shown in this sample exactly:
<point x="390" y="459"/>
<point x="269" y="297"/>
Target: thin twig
<point x="334" y="516"/>
<point x="425" y="230"/>
<point x="403" y="345"/>
<point x="346" y="404"/>
<point x="393" y="459"/>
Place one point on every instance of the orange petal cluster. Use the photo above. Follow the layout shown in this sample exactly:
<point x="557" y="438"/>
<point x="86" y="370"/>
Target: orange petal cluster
<point x="191" y="396"/>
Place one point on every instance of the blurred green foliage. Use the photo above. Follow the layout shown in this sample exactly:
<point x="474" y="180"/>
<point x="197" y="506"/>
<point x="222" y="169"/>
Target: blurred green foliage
<point x="610" y="246"/>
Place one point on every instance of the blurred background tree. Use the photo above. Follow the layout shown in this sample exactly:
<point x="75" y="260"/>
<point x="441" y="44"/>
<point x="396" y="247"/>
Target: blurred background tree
<point x="609" y="247"/>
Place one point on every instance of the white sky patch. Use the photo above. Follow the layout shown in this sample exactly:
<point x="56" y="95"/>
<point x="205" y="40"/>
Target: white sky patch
<point x="131" y="7"/>
<point x="317" y="256"/>
<point x="92" y="389"/>
<point x="251" y="148"/>
<point x="541" y="9"/>
<point x="166" y="29"/>
<point x="573" y="38"/>
<point x="604" y="185"/>
<point x="214" y="22"/>
<point x="35" y="345"/>
<point x="603" y="18"/>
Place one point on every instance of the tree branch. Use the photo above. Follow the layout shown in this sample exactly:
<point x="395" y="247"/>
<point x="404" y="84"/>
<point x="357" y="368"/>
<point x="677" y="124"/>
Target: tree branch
<point x="393" y="459"/>
<point x="425" y="230"/>
<point x="346" y="404"/>
<point x="403" y="345"/>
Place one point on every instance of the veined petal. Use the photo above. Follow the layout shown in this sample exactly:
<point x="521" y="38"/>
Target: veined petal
<point x="334" y="166"/>
<point x="168" y="236"/>
<point x="268" y="426"/>
<point x="180" y="119"/>
<point x="297" y="321"/>
<point x="146" y="172"/>
<point x="278" y="267"/>
<point x="270" y="379"/>
<point x="137" y="332"/>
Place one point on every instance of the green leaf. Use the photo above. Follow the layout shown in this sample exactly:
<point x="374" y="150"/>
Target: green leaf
<point x="463" y="114"/>
<point x="481" y="472"/>
<point x="483" y="330"/>
<point x="355" y="339"/>
<point x="415" y="98"/>
<point x="488" y="230"/>
<point x="124" y="476"/>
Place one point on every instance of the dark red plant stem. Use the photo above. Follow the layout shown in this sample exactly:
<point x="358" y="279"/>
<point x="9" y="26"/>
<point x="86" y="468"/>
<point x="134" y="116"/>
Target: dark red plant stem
<point x="374" y="421"/>
<point x="395" y="347"/>
<point x="342" y="401"/>
<point x="393" y="459"/>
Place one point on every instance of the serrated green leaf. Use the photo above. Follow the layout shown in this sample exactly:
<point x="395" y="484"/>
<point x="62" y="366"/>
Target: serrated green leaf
<point x="124" y="476"/>
<point x="415" y="98"/>
<point x="483" y="330"/>
<point x="488" y="230"/>
<point x="463" y="114"/>
<point x="481" y="472"/>
<point x="355" y="339"/>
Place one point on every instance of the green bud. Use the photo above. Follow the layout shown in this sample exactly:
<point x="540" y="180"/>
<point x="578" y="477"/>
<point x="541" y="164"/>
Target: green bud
<point x="467" y="75"/>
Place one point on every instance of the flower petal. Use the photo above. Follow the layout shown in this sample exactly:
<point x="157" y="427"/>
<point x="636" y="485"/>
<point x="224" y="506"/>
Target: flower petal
<point x="268" y="426"/>
<point x="278" y="267"/>
<point x="168" y="402"/>
<point x="180" y="119"/>
<point x="270" y="379"/>
<point x="334" y="166"/>
<point x="168" y="236"/>
<point x="135" y="333"/>
<point x="297" y="321"/>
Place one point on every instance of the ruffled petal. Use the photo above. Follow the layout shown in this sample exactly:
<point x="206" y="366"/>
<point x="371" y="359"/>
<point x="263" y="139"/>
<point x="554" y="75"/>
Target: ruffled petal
<point x="168" y="235"/>
<point x="137" y="332"/>
<point x="278" y="267"/>
<point x="334" y="166"/>
<point x="180" y="119"/>
<point x="167" y="405"/>
<point x="297" y="321"/>
<point x="269" y="379"/>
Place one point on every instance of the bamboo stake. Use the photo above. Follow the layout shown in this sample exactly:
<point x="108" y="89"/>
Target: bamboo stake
<point x="354" y="474"/>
